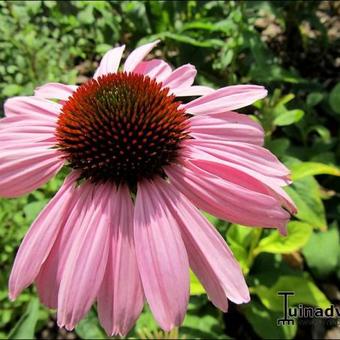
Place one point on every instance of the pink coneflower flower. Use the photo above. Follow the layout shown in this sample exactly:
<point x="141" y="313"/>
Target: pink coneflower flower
<point x="126" y="224"/>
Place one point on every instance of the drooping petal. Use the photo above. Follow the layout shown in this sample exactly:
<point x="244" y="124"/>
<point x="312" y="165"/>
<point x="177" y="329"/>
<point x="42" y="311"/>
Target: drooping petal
<point x="161" y="256"/>
<point x="110" y="62"/>
<point x="209" y="255"/>
<point x="51" y="272"/>
<point x="40" y="238"/>
<point x="229" y="126"/>
<point x="253" y="161"/>
<point x="182" y="77"/>
<point x="55" y="91"/>
<point x="121" y="298"/>
<point x="49" y="277"/>
<point x="243" y="203"/>
<point x="252" y="157"/>
<point x="87" y="259"/>
<point x="281" y="196"/>
<point x="195" y="90"/>
<point x="32" y="106"/>
<point x="226" y="99"/>
<point x="138" y="55"/>
<point x="156" y="69"/>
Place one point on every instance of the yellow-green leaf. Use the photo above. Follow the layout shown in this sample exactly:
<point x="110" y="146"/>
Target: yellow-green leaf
<point x="306" y="195"/>
<point x="300" y="170"/>
<point x="298" y="235"/>
<point x="195" y="286"/>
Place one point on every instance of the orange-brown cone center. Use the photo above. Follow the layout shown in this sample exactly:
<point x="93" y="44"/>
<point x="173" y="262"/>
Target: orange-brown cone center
<point x="122" y="128"/>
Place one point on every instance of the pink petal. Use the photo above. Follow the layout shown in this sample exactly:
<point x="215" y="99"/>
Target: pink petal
<point x="181" y="77"/>
<point x="29" y="125"/>
<point x="28" y="157"/>
<point x="282" y="197"/>
<point x="87" y="258"/>
<point x="40" y="238"/>
<point x="155" y="69"/>
<point x="161" y="255"/>
<point x="138" y="55"/>
<point x="35" y="134"/>
<point x="110" y="62"/>
<point x="22" y="131"/>
<point x="237" y="200"/>
<point x="21" y="174"/>
<point x="55" y="91"/>
<point x="194" y="90"/>
<point x="121" y="298"/>
<point x="227" y="126"/>
<point x="226" y="99"/>
<point x="35" y="106"/>
<point x="50" y="275"/>
<point x="267" y="169"/>
<point x="209" y="255"/>
<point x="250" y="156"/>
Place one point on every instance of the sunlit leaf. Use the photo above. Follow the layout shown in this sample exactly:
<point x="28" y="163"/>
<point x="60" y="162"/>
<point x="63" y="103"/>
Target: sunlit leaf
<point x="288" y="117"/>
<point x="240" y="238"/>
<point x="306" y="195"/>
<point x="195" y="286"/>
<point x="298" y="235"/>
<point x="303" y="169"/>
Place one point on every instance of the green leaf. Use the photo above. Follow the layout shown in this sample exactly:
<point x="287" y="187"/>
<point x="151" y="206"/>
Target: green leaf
<point x="303" y="169"/>
<point x="102" y="48"/>
<point x="201" y="327"/>
<point x="288" y="117"/>
<point x="11" y="90"/>
<point x="240" y="234"/>
<point x="25" y="328"/>
<point x="306" y="195"/>
<point x="334" y="98"/>
<point x="322" y="131"/>
<point x="89" y="327"/>
<point x="239" y="239"/>
<point x="306" y="292"/>
<point x="314" y="98"/>
<point x="212" y="219"/>
<point x="338" y="267"/>
<point x="285" y="99"/>
<point x="31" y="210"/>
<point x="268" y="267"/>
<point x="264" y="322"/>
<point x="145" y="322"/>
<point x="195" y="286"/>
<point x="321" y="252"/>
<point x="241" y="255"/>
<point x="86" y="15"/>
<point x="211" y="43"/>
<point x="298" y="235"/>
<point x="278" y="146"/>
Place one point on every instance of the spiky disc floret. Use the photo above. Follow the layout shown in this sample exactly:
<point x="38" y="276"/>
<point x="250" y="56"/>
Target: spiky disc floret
<point x="122" y="128"/>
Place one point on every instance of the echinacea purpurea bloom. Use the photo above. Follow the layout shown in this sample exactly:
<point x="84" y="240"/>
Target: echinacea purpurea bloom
<point x="126" y="224"/>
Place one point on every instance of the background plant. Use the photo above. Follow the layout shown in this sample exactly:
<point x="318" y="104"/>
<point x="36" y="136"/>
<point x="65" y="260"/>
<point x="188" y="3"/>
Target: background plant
<point x="291" y="47"/>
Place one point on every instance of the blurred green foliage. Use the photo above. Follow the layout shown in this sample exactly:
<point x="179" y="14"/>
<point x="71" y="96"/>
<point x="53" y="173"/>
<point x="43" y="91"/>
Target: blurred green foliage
<point x="288" y="46"/>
